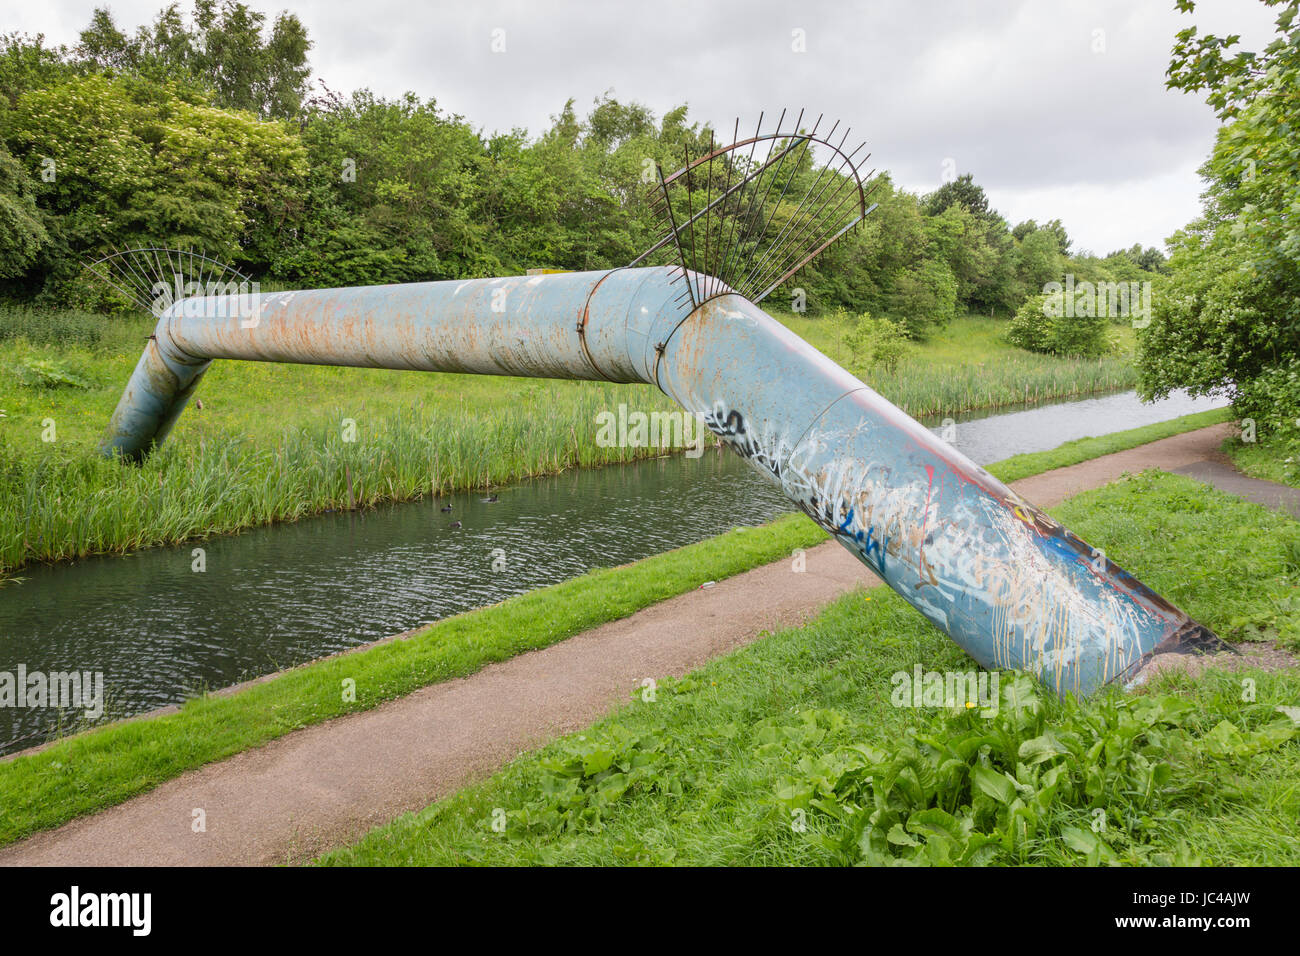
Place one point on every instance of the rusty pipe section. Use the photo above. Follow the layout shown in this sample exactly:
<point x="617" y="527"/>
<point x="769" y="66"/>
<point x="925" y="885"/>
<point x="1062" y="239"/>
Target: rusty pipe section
<point x="1008" y="583"/>
<point x="527" y="325"/>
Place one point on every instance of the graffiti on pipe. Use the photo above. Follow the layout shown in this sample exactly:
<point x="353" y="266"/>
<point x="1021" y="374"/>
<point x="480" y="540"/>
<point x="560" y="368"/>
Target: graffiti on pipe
<point x="979" y="565"/>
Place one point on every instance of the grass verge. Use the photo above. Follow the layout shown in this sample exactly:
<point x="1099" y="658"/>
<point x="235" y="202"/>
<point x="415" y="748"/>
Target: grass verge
<point x="1277" y="461"/>
<point x="789" y="751"/>
<point x="102" y="767"/>
<point x="1083" y="449"/>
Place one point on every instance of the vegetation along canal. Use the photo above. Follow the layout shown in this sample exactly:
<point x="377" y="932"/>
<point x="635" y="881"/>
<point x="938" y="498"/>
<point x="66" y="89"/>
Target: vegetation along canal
<point x="160" y="631"/>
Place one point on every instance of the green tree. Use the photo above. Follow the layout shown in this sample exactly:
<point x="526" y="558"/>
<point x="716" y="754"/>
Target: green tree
<point x="1042" y="325"/>
<point x="1038" y="260"/>
<point x="964" y="192"/>
<point x="135" y="163"/>
<point x="1029" y="226"/>
<point x="575" y="197"/>
<point x="1057" y="229"/>
<point x="1136" y="263"/>
<point x="1023" y="229"/>
<point x="924" y="298"/>
<point x="961" y="239"/>
<point x="980" y="260"/>
<point x="228" y="50"/>
<point x="26" y="63"/>
<point x="105" y="47"/>
<point x="391" y="196"/>
<point x="22" y="233"/>
<point x="874" y="342"/>
<point x="1227" y="320"/>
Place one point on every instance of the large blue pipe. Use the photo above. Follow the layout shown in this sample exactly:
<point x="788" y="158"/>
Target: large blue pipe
<point x="1004" y="580"/>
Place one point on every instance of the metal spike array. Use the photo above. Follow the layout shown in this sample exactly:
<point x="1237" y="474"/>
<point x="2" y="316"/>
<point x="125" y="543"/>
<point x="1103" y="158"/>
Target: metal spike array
<point x="746" y="217"/>
<point x="154" y="277"/>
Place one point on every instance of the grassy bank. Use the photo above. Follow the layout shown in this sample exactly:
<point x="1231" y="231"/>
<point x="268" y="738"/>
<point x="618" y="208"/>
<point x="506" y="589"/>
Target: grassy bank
<point x="968" y="366"/>
<point x="105" y="766"/>
<point x="269" y="442"/>
<point x="789" y="752"/>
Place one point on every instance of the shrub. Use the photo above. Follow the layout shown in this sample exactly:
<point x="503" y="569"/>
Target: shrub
<point x="924" y="298"/>
<point x="876" y="343"/>
<point x="1273" y="401"/>
<point x="1037" y="328"/>
<point x="43" y="373"/>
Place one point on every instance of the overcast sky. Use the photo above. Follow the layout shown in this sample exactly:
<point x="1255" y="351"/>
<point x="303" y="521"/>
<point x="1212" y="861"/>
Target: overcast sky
<point x="1057" y="107"/>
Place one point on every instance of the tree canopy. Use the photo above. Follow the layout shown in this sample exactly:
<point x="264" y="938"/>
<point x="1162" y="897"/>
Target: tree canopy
<point x="203" y="130"/>
<point x="1227" y="318"/>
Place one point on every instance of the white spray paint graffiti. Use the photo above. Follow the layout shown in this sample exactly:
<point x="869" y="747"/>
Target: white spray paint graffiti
<point x="959" y="555"/>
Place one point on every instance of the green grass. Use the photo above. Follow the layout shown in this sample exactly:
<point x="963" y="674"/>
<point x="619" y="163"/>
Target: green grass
<point x="968" y="366"/>
<point x="55" y="327"/>
<point x="268" y="443"/>
<point x="1272" y="461"/>
<point x="720" y="767"/>
<point x="1073" y="452"/>
<point x="105" y="766"/>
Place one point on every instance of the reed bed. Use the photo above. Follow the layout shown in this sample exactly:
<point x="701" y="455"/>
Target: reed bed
<point x="923" y="390"/>
<point x="67" y="502"/>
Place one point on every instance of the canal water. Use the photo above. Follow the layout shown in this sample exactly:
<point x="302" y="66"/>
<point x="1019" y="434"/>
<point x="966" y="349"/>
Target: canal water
<point x="277" y="596"/>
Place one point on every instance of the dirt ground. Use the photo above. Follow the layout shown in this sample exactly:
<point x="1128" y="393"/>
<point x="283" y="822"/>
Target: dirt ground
<point x="1265" y="656"/>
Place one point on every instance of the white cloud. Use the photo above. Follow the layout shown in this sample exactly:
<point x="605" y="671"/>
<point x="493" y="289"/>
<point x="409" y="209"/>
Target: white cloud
<point x="1119" y="213"/>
